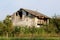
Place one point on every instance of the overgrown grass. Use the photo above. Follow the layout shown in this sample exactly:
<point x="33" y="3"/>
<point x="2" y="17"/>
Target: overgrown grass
<point x="39" y="38"/>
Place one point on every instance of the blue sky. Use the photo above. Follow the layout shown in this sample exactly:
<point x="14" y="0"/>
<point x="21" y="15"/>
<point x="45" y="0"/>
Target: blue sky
<point x="47" y="7"/>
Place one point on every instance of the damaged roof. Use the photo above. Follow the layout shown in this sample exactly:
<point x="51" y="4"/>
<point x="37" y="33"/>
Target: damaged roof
<point x="35" y="13"/>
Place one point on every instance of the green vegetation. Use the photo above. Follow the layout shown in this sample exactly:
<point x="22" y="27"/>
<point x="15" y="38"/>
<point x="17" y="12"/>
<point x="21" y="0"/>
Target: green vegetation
<point x="8" y="30"/>
<point x="30" y="38"/>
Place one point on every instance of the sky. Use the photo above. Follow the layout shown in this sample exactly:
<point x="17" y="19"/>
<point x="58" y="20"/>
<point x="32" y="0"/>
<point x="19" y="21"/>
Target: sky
<point x="46" y="7"/>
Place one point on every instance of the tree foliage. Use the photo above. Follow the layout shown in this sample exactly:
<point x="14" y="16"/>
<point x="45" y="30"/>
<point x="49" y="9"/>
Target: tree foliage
<point x="56" y="22"/>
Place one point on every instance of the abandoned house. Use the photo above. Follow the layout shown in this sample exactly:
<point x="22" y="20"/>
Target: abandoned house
<point x="26" y="17"/>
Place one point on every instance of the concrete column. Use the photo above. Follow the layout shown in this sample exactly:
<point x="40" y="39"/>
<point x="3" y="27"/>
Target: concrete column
<point x="36" y="21"/>
<point x="47" y="21"/>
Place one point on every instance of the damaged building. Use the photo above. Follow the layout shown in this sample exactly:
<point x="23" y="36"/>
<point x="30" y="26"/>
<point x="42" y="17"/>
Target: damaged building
<point x="26" y="17"/>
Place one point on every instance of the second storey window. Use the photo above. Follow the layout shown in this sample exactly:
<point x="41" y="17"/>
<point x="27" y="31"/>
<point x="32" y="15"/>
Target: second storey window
<point x="30" y="15"/>
<point x="16" y="14"/>
<point x="20" y="14"/>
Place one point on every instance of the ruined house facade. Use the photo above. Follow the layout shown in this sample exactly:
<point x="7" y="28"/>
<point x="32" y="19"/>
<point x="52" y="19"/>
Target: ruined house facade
<point x="25" y="17"/>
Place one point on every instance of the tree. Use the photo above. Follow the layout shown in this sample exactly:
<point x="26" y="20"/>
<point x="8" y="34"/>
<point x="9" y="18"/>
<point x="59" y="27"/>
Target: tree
<point x="56" y="22"/>
<point x="9" y="25"/>
<point x="3" y="29"/>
